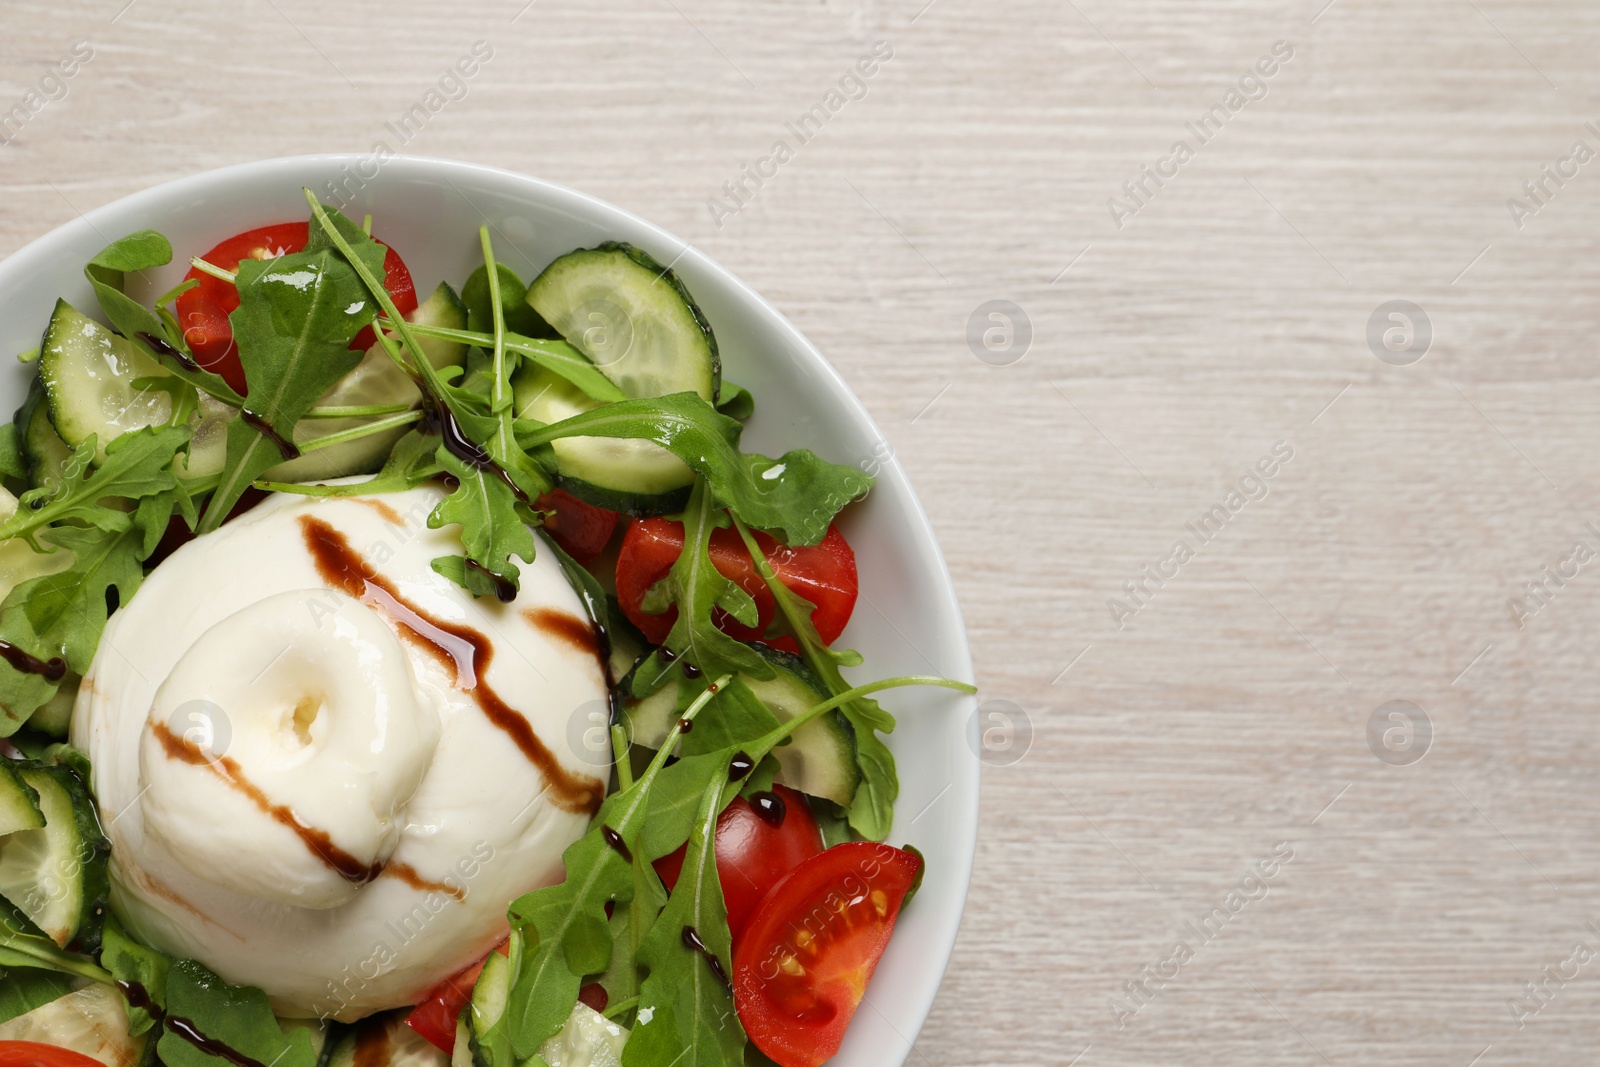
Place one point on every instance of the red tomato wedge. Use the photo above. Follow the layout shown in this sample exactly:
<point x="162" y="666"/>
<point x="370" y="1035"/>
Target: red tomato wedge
<point x="581" y="529"/>
<point x="37" y="1054"/>
<point x="203" y="311"/>
<point x="758" y="842"/>
<point x="805" y="959"/>
<point x="824" y="574"/>
<point x="434" y="1017"/>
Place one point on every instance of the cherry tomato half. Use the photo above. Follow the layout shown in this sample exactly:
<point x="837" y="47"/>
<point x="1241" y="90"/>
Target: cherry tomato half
<point x="203" y="311"/>
<point x="805" y="959"/>
<point x="434" y="1017"/>
<point x="824" y="574"/>
<point x="757" y="844"/>
<point x="38" y="1054"/>
<point x="581" y="529"/>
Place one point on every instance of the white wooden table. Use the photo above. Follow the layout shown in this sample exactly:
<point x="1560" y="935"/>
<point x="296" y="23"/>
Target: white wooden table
<point x="1227" y="312"/>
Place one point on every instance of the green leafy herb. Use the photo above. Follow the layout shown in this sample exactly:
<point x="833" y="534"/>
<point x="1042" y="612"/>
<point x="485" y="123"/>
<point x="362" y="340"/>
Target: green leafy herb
<point x="798" y="493"/>
<point x="106" y="272"/>
<point x="494" y="527"/>
<point x="872" y="810"/>
<point x="692" y="1022"/>
<point x="630" y="924"/>
<point x="135" y="966"/>
<point x="203" y="1008"/>
<point x="697" y="588"/>
<point x="413" y="460"/>
<point x="23" y="945"/>
<point x="297" y="315"/>
<point x="63" y="614"/>
<point x="137" y="464"/>
<point x="556" y="356"/>
<point x="735" y="401"/>
<point x="24" y="988"/>
<point x="565" y="924"/>
<point x="519" y="316"/>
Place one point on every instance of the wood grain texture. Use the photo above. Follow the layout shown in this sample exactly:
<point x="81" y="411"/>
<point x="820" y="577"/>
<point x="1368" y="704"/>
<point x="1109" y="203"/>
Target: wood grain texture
<point x="1226" y="315"/>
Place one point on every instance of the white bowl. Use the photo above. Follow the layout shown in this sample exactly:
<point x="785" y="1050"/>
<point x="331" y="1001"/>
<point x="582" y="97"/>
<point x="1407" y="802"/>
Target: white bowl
<point x="907" y="621"/>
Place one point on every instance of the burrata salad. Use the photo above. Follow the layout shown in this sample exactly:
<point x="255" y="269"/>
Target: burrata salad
<point x="424" y="677"/>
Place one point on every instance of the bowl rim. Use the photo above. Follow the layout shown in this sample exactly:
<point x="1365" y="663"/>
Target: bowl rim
<point x="965" y="773"/>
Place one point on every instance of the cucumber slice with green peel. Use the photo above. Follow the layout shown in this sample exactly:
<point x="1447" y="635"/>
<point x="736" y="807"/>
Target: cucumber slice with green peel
<point x="820" y="758"/>
<point x="633" y="318"/>
<point x="56" y="875"/>
<point x="638" y="478"/>
<point x="375" y="380"/>
<point x="19" y="803"/>
<point x="46" y="453"/>
<point x="208" y="448"/>
<point x="491" y="1047"/>
<point x="92" y="1021"/>
<point x="88" y="374"/>
<point x="443" y="308"/>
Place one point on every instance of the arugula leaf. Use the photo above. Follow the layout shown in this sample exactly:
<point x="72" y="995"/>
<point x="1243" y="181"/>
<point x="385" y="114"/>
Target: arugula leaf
<point x="22" y="944"/>
<point x="63" y="614"/>
<point x="132" y="963"/>
<point x="296" y="317"/>
<point x="698" y="589"/>
<point x="139" y="252"/>
<point x="565" y="924"/>
<point x="413" y="460"/>
<point x="494" y="527"/>
<point x="519" y="315"/>
<point x="137" y="464"/>
<point x="630" y="923"/>
<point x="556" y="356"/>
<point x="735" y="401"/>
<point x="482" y="500"/>
<point x="798" y="493"/>
<point x="23" y="988"/>
<point x="688" y="990"/>
<point x="872" y="809"/>
<point x="205" y="1007"/>
<point x="737" y="715"/>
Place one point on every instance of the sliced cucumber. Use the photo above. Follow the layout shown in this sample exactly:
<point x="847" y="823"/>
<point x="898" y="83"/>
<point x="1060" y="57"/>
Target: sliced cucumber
<point x="375" y="380"/>
<point x="19" y="804"/>
<point x="42" y="447"/>
<point x="208" y="448"/>
<point x="88" y="374"/>
<point x="491" y="1047"/>
<point x="588" y="1039"/>
<point x="446" y="309"/>
<point x="385" y="1041"/>
<point x="820" y="758"/>
<point x="633" y="318"/>
<point x="92" y="1020"/>
<point x="638" y="478"/>
<point x="57" y="875"/>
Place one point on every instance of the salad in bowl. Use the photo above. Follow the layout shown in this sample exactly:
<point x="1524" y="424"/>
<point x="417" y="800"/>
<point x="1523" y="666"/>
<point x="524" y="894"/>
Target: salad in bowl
<point x="426" y="674"/>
